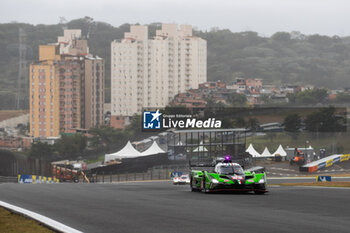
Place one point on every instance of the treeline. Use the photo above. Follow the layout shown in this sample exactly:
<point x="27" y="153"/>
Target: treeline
<point x="323" y="120"/>
<point x="99" y="141"/>
<point x="322" y="61"/>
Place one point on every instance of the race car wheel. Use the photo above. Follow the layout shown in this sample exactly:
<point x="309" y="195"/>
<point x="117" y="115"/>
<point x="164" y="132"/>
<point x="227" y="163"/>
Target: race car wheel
<point x="260" y="189"/>
<point x="203" y="184"/>
<point x="191" y="182"/>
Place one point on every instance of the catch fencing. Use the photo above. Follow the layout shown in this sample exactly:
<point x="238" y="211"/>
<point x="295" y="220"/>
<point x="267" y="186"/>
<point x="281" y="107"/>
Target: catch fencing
<point x="8" y="179"/>
<point x="160" y="173"/>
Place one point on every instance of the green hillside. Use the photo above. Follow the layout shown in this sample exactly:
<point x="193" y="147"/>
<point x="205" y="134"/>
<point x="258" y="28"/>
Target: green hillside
<point x="282" y="58"/>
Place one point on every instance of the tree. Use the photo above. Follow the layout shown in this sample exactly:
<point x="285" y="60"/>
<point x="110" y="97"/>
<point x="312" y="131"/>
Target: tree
<point x="281" y="36"/>
<point x="291" y="98"/>
<point x="313" y="96"/>
<point x="265" y="98"/>
<point x="237" y="100"/>
<point x="342" y="98"/>
<point x="169" y="110"/>
<point x="71" y="146"/>
<point x="227" y="122"/>
<point x="324" y="120"/>
<point x="253" y="124"/>
<point x="292" y="123"/>
<point x="41" y="150"/>
<point x="134" y="128"/>
<point x="240" y="122"/>
<point x="106" y="136"/>
<point x="282" y="58"/>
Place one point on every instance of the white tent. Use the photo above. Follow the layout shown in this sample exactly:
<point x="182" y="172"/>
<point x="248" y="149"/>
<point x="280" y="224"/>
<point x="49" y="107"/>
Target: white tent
<point x="252" y="151"/>
<point x="200" y="149"/>
<point x="127" y="152"/>
<point x="266" y="153"/>
<point x="280" y="151"/>
<point x="154" y="149"/>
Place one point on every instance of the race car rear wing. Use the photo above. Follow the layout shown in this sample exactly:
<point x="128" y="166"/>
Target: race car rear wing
<point x="209" y="163"/>
<point x="257" y="169"/>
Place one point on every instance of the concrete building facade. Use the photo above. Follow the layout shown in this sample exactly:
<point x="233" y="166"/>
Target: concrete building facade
<point x="93" y="91"/>
<point x="148" y="73"/>
<point x="66" y="87"/>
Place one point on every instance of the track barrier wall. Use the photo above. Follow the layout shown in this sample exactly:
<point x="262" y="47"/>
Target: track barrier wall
<point x="157" y="173"/>
<point x="8" y="179"/>
<point x="325" y="162"/>
<point x="34" y="179"/>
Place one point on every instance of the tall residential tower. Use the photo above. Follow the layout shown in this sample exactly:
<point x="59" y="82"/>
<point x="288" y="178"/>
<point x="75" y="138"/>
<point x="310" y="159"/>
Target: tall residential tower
<point x="150" y="72"/>
<point x="66" y="87"/>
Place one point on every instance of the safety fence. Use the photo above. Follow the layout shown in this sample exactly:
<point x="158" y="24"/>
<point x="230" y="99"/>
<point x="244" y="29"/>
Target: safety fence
<point x="325" y="162"/>
<point x="160" y="173"/>
<point x="8" y="179"/>
<point x="12" y="164"/>
<point x="34" y="179"/>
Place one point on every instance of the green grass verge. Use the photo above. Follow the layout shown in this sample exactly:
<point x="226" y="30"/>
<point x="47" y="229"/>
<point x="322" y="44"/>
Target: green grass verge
<point x="14" y="223"/>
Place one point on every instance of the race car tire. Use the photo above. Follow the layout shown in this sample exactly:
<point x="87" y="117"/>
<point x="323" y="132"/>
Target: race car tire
<point x="260" y="189"/>
<point x="192" y="189"/>
<point x="203" y="184"/>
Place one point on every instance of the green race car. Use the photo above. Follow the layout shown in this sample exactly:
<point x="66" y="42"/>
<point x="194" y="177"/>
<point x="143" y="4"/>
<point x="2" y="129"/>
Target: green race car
<point x="228" y="176"/>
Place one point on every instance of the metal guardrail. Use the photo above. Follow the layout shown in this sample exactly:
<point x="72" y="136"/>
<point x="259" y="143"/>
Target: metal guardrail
<point x="8" y="179"/>
<point x="158" y="173"/>
<point x="325" y="162"/>
<point x="107" y="177"/>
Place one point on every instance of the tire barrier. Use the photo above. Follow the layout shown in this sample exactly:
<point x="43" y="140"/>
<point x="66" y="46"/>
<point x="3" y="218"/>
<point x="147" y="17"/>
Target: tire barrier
<point x="33" y="179"/>
<point x="325" y="162"/>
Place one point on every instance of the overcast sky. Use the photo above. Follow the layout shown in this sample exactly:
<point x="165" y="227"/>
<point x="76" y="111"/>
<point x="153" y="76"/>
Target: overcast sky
<point x="328" y="17"/>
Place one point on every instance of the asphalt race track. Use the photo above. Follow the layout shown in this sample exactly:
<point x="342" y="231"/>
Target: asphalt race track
<point x="163" y="207"/>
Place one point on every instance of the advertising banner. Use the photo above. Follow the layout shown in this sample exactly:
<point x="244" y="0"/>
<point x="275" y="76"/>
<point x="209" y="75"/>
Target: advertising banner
<point x="323" y="178"/>
<point x="175" y="174"/>
<point x="25" y="179"/>
<point x="33" y="179"/>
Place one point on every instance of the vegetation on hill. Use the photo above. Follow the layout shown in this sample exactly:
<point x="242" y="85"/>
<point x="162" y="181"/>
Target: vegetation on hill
<point x="322" y="61"/>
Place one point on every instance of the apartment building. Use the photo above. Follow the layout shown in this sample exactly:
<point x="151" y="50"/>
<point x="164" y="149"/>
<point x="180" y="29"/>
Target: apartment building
<point x="66" y="87"/>
<point x="148" y="73"/>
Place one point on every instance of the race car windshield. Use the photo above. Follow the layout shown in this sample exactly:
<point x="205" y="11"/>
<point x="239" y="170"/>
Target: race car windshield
<point x="230" y="170"/>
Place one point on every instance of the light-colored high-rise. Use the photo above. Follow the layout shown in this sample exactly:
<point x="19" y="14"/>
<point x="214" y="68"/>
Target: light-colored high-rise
<point x="150" y="72"/>
<point x="66" y="87"/>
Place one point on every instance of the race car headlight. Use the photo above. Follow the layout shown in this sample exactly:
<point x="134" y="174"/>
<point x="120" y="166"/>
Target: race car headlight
<point x="215" y="181"/>
<point x="262" y="180"/>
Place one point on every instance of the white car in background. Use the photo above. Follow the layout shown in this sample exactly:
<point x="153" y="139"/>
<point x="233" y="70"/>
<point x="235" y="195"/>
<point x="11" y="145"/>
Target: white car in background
<point x="184" y="179"/>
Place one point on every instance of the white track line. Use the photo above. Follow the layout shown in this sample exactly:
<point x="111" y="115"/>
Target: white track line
<point x="291" y="178"/>
<point x="40" y="218"/>
<point x="319" y="187"/>
<point x="304" y="178"/>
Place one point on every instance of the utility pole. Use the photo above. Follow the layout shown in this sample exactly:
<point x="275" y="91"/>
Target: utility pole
<point x="22" y="79"/>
